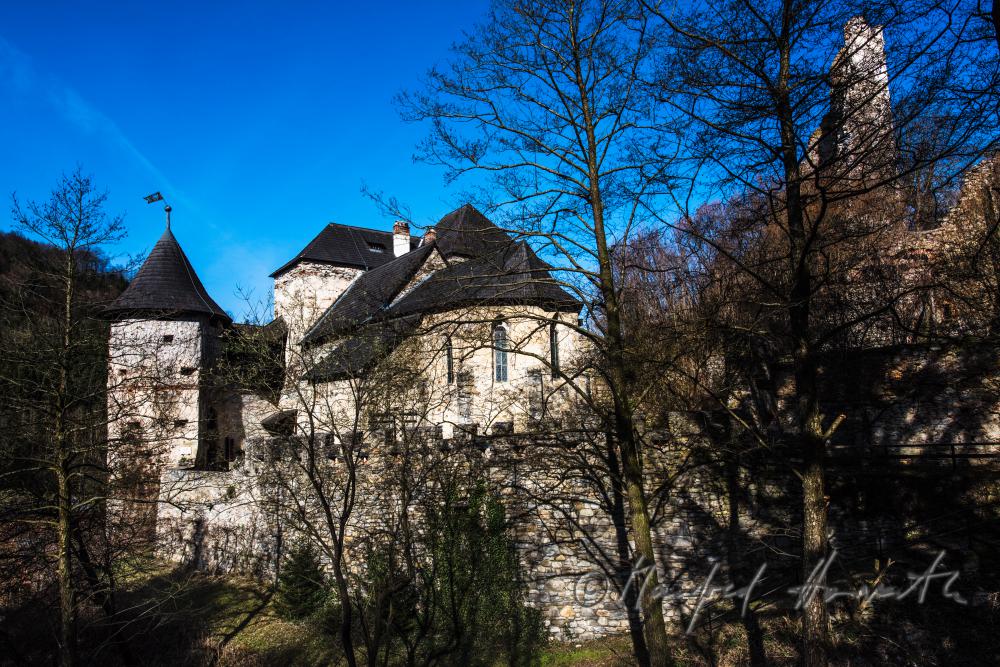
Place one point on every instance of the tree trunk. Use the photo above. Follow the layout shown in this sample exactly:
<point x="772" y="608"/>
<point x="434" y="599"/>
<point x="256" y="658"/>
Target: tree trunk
<point x="737" y="558"/>
<point x="622" y="383"/>
<point x="808" y="417"/>
<point x="631" y="596"/>
<point x="67" y="594"/>
<point x="814" y="550"/>
<point x="652" y="606"/>
<point x="346" y="615"/>
<point x="67" y="602"/>
<point x="814" y="539"/>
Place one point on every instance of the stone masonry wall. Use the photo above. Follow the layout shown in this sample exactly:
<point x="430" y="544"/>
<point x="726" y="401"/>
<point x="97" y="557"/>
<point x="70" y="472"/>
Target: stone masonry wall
<point x="565" y="534"/>
<point x="154" y="377"/>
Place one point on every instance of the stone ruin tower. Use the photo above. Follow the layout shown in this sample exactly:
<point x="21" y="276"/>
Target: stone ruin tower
<point x="857" y="136"/>
<point x="165" y="336"/>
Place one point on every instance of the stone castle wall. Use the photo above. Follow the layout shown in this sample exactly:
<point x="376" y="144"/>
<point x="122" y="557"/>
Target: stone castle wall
<point x="154" y="377"/>
<point x="303" y="293"/>
<point x="566" y="532"/>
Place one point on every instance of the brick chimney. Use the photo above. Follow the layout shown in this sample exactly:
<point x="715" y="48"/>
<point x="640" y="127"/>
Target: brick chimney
<point x="429" y="236"/>
<point x="400" y="238"/>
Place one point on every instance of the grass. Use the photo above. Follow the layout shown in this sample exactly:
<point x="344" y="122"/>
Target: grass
<point x="230" y="620"/>
<point x="596" y="653"/>
<point x="191" y="618"/>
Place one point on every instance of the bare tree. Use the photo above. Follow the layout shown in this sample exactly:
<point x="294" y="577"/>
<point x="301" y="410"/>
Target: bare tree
<point x="545" y="100"/>
<point x="55" y="365"/>
<point x="809" y="159"/>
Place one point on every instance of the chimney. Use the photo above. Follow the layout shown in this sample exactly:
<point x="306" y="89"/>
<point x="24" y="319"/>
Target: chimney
<point x="429" y="236"/>
<point x="400" y="238"/>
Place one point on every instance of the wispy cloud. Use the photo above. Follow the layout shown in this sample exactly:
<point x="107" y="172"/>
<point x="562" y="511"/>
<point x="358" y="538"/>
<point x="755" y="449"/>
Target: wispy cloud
<point x="19" y="72"/>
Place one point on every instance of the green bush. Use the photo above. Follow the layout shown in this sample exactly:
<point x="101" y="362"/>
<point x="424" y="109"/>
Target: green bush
<point x="303" y="587"/>
<point x="477" y="579"/>
<point x="459" y="600"/>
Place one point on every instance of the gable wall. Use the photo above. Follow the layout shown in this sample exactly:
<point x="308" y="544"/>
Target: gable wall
<point x="304" y="292"/>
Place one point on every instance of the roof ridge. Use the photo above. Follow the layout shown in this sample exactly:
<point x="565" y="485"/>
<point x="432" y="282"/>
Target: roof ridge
<point x="366" y="229"/>
<point x="344" y="245"/>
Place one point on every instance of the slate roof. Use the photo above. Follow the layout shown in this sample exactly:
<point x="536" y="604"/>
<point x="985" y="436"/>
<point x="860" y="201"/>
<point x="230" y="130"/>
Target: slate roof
<point x="273" y="332"/>
<point x="368" y="295"/>
<point x="511" y="276"/>
<point x="166" y="284"/>
<point x="362" y="350"/>
<point x="484" y="267"/>
<point x="467" y="232"/>
<point x="344" y="245"/>
<point x="280" y="423"/>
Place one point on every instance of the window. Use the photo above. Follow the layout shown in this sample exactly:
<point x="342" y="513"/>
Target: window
<point x="500" y="353"/>
<point x="503" y="428"/>
<point x="180" y="423"/>
<point x="536" y="395"/>
<point x="554" y="350"/>
<point x="408" y="422"/>
<point x="187" y="370"/>
<point x="376" y="247"/>
<point x="168" y="339"/>
<point x="449" y="354"/>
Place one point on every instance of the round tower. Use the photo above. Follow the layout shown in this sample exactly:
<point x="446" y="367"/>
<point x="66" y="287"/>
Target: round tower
<point x="164" y="335"/>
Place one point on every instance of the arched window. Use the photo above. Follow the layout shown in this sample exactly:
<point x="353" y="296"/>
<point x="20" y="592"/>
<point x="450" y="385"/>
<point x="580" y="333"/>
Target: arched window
<point x="499" y="353"/>
<point x="449" y="354"/>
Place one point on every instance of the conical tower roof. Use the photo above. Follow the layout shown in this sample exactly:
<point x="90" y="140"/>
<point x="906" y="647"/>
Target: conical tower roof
<point x="166" y="285"/>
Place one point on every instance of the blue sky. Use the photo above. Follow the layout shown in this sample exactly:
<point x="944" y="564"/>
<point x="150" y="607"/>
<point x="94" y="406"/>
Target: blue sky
<point x="258" y="121"/>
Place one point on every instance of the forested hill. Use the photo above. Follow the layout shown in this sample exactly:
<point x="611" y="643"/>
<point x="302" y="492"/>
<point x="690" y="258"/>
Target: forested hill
<point x="31" y="327"/>
<point x="26" y="280"/>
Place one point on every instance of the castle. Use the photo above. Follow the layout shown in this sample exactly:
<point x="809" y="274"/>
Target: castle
<point x="350" y="296"/>
<point x="492" y="332"/>
<point x="479" y="337"/>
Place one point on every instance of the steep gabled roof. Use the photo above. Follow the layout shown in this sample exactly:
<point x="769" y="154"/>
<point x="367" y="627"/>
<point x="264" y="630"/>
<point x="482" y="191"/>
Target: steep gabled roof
<point x="378" y="310"/>
<point x="496" y="271"/>
<point x="166" y="284"/>
<point x="368" y="295"/>
<point x="374" y="327"/>
<point x="363" y="350"/>
<point x="344" y="245"/>
<point x="512" y="276"/>
<point x="468" y="233"/>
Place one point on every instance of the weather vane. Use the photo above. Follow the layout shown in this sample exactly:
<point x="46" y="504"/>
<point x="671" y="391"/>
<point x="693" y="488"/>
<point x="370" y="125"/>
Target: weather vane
<point x="155" y="197"/>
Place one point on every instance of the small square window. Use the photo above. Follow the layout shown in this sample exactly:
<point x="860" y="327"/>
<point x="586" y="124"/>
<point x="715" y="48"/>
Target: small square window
<point x="376" y="247"/>
<point x="503" y="428"/>
<point x="179" y="423"/>
<point x="168" y="339"/>
<point x="187" y="370"/>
